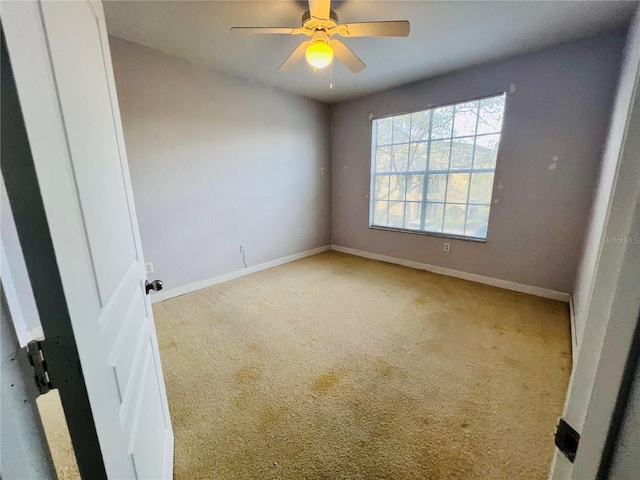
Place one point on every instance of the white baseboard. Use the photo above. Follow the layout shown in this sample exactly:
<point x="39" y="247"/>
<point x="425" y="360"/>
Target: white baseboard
<point x="192" y="287"/>
<point x="495" y="282"/>
<point x="574" y="333"/>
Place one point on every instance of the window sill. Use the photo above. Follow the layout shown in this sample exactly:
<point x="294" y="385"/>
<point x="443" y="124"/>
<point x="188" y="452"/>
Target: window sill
<point x="429" y="234"/>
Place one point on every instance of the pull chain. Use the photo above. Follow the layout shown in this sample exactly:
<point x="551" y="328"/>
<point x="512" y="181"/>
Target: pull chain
<point x="331" y="81"/>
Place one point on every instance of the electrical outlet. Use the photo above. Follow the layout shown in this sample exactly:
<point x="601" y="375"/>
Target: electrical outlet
<point x="148" y="267"/>
<point x="447" y="247"/>
<point x="299" y="233"/>
<point x="241" y="248"/>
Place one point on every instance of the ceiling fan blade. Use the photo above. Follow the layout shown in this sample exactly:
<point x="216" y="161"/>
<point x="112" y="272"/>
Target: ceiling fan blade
<point x="346" y="56"/>
<point x="320" y="8"/>
<point x="268" y="30"/>
<point x="294" y="58"/>
<point x="399" y="28"/>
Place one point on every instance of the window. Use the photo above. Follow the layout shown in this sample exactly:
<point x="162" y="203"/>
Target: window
<point x="432" y="171"/>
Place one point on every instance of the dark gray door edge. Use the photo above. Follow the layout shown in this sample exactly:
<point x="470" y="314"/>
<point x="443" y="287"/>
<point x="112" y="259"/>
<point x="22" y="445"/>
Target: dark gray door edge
<point x="633" y="362"/>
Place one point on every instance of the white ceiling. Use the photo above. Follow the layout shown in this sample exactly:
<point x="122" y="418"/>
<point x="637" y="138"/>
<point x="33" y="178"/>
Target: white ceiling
<point x="445" y="36"/>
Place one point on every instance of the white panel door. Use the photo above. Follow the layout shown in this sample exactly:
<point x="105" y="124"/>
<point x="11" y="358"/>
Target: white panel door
<point x="62" y="65"/>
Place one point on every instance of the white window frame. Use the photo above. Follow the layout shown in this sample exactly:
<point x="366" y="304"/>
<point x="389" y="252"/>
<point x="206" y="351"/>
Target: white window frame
<point x="426" y="172"/>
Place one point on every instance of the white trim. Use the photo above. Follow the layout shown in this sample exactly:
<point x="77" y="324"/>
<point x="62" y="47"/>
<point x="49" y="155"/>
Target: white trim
<point x="13" y="299"/>
<point x="495" y="282"/>
<point x="35" y="333"/>
<point x="225" y="277"/>
<point x="574" y="332"/>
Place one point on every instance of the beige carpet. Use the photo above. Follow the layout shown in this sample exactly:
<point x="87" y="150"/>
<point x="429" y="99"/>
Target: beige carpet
<point x="337" y="367"/>
<point x="58" y="438"/>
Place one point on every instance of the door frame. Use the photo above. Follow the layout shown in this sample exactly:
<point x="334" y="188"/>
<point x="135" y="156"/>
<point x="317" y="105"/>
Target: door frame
<point x="598" y="381"/>
<point x="19" y="173"/>
<point x="617" y="355"/>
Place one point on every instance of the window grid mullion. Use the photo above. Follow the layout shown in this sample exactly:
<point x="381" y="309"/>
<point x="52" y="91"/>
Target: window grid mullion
<point x="473" y="157"/>
<point x="406" y="176"/>
<point x="374" y="169"/>
<point x="386" y="219"/>
<point x="461" y="137"/>
<point x="462" y="170"/>
<point x="446" y="187"/>
<point x="393" y="128"/>
<point x="426" y="175"/>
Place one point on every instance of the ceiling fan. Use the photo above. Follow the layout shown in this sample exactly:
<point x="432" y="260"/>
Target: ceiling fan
<point x="321" y="23"/>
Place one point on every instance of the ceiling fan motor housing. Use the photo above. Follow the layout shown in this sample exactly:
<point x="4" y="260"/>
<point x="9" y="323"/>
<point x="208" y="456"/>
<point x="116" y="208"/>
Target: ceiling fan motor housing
<point x="319" y="24"/>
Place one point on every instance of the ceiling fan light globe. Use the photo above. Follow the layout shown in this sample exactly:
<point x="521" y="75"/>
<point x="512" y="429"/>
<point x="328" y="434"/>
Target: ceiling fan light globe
<point x="319" y="55"/>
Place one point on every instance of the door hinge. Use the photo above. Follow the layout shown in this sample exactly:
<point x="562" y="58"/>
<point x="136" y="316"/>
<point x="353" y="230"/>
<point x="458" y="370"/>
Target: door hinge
<point x="567" y="439"/>
<point x="39" y="364"/>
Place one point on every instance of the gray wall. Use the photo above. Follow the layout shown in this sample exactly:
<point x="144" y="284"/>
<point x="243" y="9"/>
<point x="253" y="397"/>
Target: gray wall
<point x="585" y="287"/>
<point x="560" y="107"/>
<point x="217" y="161"/>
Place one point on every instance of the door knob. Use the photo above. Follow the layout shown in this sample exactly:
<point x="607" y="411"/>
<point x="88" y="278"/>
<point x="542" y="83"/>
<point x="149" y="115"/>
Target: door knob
<point x="156" y="286"/>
